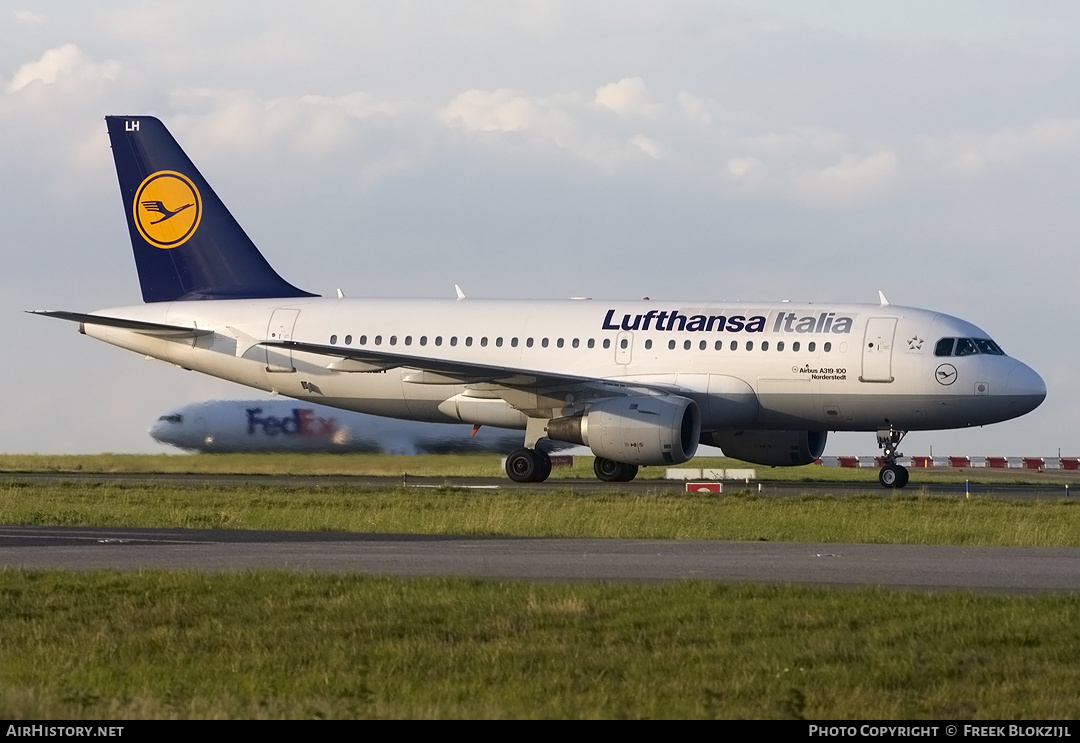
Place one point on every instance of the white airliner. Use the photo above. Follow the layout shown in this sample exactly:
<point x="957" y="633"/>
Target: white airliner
<point x="284" y="425"/>
<point x="638" y="382"/>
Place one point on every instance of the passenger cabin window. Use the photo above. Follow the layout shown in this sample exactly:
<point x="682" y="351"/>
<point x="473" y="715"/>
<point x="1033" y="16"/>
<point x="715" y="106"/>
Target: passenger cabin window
<point x="827" y="347"/>
<point x="348" y="340"/>
<point x="607" y="343"/>
<point x="648" y="344"/>
<point x="363" y="340"/>
<point x="592" y="343"/>
<point x="333" y="340"/>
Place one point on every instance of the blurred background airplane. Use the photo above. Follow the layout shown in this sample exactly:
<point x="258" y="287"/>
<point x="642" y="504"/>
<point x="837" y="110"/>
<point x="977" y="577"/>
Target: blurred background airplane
<point x="284" y="425"/>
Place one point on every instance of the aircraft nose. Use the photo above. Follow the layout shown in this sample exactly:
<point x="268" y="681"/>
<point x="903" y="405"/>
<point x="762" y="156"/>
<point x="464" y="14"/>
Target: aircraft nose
<point x="1026" y="387"/>
<point x="157" y="430"/>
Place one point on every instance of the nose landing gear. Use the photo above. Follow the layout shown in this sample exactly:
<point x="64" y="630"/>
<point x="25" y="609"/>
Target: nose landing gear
<point x="892" y="475"/>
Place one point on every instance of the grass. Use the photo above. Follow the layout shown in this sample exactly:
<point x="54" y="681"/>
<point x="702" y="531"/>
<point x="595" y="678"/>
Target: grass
<point x="275" y="645"/>
<point x="470" y="465"/>
<point x="900" y="519"/>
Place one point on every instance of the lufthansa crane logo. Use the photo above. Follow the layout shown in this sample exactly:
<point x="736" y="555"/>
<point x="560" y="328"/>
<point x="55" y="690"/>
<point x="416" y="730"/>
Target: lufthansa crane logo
<point x="945" y="374"/>
<point x="167" y="209"/>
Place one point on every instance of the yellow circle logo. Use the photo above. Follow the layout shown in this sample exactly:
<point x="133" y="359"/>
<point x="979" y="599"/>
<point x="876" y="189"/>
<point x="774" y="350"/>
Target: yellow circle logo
<point x="167" y="209"/>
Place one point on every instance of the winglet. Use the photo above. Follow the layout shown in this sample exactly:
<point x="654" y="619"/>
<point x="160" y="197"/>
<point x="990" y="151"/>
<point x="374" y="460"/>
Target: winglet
<point x="457" y="290"/>
<point x="882" y="299"/>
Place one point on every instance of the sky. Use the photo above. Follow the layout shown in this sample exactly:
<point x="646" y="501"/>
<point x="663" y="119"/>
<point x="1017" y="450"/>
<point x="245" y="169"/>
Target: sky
<point x="812" y="151"/>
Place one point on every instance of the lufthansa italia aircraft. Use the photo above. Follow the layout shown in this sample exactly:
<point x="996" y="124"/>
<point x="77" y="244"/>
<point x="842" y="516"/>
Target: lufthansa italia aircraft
<point x="639" y="383"/>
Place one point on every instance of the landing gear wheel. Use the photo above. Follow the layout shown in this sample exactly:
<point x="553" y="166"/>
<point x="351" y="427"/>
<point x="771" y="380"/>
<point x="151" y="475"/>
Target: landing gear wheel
<point x="893" y="476"/>
<point x="609" y="470"/>
<point x="528" y="465"/>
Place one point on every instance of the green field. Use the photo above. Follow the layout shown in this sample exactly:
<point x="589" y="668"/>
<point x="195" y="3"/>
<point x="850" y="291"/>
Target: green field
<point x="266" y="644"/>
<point x="269" y="645"/>
<point x="474" y="465"/>
<point x="552" y="512"/>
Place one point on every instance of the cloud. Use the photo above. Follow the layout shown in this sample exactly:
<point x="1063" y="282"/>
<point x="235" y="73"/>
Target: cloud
<point x="505" y="110"/>
<point x="852" y="180"/>
<point x="696" y="110"/>
<point x="56" y="63"/>
<point x="746" y="173"/>
<point x="564" y="120"/>
<point x="29" y="17"/>
<point x="975" y="153"/>
<point x="628" y="97"/>
<point x="312" y="125"/>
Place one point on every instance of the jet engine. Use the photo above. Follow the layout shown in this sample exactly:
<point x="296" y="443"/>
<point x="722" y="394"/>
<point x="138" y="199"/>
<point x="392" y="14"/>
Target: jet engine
<point x="775" y="448"/>
<point x="635" y="430"/>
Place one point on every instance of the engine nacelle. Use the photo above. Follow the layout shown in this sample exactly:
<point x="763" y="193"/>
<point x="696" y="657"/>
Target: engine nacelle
<point x="775" y="448"/>
<point x="635" y="430"/>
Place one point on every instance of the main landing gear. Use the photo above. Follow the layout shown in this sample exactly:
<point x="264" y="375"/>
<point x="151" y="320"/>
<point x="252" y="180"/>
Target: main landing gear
<point x="528" y="465"/>
<point x="609" y="470"/>
<point x="892" y="475"/>
<point x="533" y="465"/>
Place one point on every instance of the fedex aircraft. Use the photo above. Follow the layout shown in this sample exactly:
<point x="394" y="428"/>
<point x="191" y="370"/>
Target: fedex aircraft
<point x="638" y="382"/>
<point x="283" y="425"/>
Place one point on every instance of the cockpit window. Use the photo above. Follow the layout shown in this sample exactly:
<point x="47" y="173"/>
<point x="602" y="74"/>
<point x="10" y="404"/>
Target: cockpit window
<point x="967" y="347"/>
<point x="174" y="418"/>
<point x="988" y="346"/>
<point x="944" y="347"/>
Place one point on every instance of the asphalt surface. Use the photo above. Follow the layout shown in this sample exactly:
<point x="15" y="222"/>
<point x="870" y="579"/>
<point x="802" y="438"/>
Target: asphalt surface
<point x="1007" y="569"/>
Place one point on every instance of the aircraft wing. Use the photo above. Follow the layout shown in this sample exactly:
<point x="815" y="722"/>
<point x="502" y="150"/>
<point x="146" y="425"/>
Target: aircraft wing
<point x="139" y="326"/>
<point x="432" y="370"/>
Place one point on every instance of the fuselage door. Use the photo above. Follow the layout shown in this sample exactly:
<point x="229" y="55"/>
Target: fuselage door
<point x="877" y="350"/>
<point x="280" y="328"/>
<point x="624" y="346"/>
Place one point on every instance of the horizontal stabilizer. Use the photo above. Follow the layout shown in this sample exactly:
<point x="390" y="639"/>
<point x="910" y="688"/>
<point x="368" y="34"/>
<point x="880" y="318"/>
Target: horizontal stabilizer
<point x="139" y="326"/>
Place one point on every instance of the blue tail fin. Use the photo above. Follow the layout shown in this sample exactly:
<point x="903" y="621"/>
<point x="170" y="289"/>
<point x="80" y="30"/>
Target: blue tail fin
<point x="187" y="245"/>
